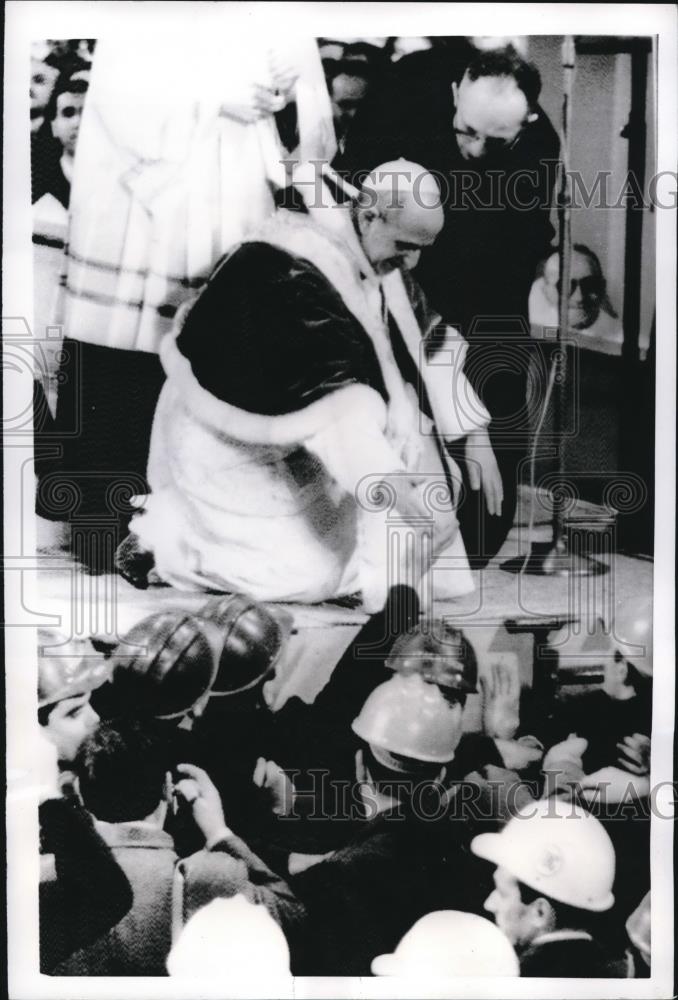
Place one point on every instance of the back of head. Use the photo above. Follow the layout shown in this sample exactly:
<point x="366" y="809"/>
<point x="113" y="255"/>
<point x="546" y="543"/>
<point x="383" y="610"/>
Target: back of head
<point x="506" y="64"/>
<point x="165" y="665"/>
<point x="450" y="943"/>
<point x="252" y="641"/>
<point x="230" y="939"/>
<point x="122" y="770"/>
<point x="439" y="652"/>
<point x="403" y="186"/>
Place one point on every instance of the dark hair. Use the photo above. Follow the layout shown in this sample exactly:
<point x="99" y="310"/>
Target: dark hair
<point x="507" y="62"/>
<point x="567" y="917"/>
<point x="44" y="713"/>
<point x="121" y="769"/>
<point x="64" y="85"/>
<point x="359" y="68"/>
<point x="641" y="684"/>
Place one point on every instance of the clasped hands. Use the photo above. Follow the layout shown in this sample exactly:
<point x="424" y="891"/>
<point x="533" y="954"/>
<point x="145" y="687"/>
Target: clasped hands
<point x="259" y="100"/>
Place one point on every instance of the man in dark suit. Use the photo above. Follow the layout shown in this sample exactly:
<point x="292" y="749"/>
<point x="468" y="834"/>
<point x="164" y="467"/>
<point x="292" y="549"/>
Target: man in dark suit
<point x="474" y="121"/>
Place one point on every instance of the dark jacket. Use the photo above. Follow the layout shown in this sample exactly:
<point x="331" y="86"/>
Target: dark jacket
<point x="166" y="893"/>
<point x="483" y="262"/>
<point x="87" y="893"/>
<point x="569" y="955"/>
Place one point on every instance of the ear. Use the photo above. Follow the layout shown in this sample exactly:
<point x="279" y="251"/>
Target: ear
<point x="542" y="914"/>
<point x="621" y="669"/>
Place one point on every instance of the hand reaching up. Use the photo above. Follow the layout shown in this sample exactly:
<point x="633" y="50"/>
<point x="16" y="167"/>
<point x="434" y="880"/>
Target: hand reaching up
<point x="501" y="694"/>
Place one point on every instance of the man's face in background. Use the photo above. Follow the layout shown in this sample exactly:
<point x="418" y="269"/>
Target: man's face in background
<point x="66" y="123"/>
<point x="346" y="93"/>
<point x="490" y="113"/>
<point x="43" y="78"/>
<point x="585" y="292"/>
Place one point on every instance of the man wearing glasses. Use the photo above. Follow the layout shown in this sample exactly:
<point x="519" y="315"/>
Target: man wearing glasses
<point x="476" y="124"/>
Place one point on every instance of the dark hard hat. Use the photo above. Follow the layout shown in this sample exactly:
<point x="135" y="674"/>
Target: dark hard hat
<point x="172" y="668"/>
<point x="252" y="641"/>
<point x="67" y="667"/>
<point x="439" y="652"/>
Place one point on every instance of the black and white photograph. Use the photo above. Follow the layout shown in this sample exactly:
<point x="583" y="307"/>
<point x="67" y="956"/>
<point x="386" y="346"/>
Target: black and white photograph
<point x="339" y="496"/>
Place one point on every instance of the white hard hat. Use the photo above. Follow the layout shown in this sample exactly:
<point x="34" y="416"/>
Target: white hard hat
<point x="410" y="717"/>
<point x="450" y="943"/>
<point x="230" y="939"/>
<point x="633" y="632"/>
<point x="556" y="848"/>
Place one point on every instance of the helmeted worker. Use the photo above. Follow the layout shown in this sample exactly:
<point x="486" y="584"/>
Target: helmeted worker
<point x="165" y="667"/>
<point x="406" y="720"/>
<point x="68" y="672"/>
<point x="555" y="872"/>
<point x="450" y="943"/>
<point x="402" y="858"/>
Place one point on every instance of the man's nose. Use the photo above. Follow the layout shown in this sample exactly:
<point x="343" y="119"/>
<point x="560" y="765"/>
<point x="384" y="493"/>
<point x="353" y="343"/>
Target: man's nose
<point x="490" y="903"/>
<point x="93" y="718"/>
<point x="411" y="259"/>
<point x="475" y="148"/>
<point x="576" y="296"/>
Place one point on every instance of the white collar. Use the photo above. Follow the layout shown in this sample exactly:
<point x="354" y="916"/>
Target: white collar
<point x="562" y="935"/>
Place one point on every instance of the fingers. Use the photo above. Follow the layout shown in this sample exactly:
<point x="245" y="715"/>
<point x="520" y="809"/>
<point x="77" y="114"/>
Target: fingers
<point x="200" y="777"/>
<point x="259" y="772"/>
<point x="188" y="790"/>
<point x="490" y="497"/>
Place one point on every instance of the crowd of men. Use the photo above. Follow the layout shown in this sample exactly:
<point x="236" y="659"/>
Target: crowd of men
<point x="375" y="832"/>
<point x="280" y="353"/>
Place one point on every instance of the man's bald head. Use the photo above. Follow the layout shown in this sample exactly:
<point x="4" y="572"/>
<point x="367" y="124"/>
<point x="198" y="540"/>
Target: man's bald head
<point x="399" y="212"/>
<point x="494" y="101"/>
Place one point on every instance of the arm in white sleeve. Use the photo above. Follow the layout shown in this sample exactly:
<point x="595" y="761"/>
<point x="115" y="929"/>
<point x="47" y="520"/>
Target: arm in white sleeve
<point x="354" y="444"/>
<point x="457" y="409"/>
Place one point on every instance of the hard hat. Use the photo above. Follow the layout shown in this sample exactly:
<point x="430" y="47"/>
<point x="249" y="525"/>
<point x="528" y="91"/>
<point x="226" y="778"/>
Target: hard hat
<point x="440" y="653"/>
<point x="410" y="717"/>
<point x="67" y="667"/>
<point x="633" y="632"/>
<point x="555" y="847"/>
<point x="173" y="667"/>
<point x="253" y="639"/>
<point x="450" y="943"/>
<point x="230" y="938"/>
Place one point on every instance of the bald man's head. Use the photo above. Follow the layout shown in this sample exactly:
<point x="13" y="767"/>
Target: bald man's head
<point x="398" y="214"/>
<point x="494" y="102"/>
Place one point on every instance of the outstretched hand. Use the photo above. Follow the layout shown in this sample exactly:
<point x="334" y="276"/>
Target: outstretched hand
<point x="501" y="694"/>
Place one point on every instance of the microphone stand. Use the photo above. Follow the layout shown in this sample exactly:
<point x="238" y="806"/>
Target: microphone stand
<point x="555" y="558"/>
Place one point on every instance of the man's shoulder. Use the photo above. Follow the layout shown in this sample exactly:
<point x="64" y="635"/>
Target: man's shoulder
<point x="575" y="957"/>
